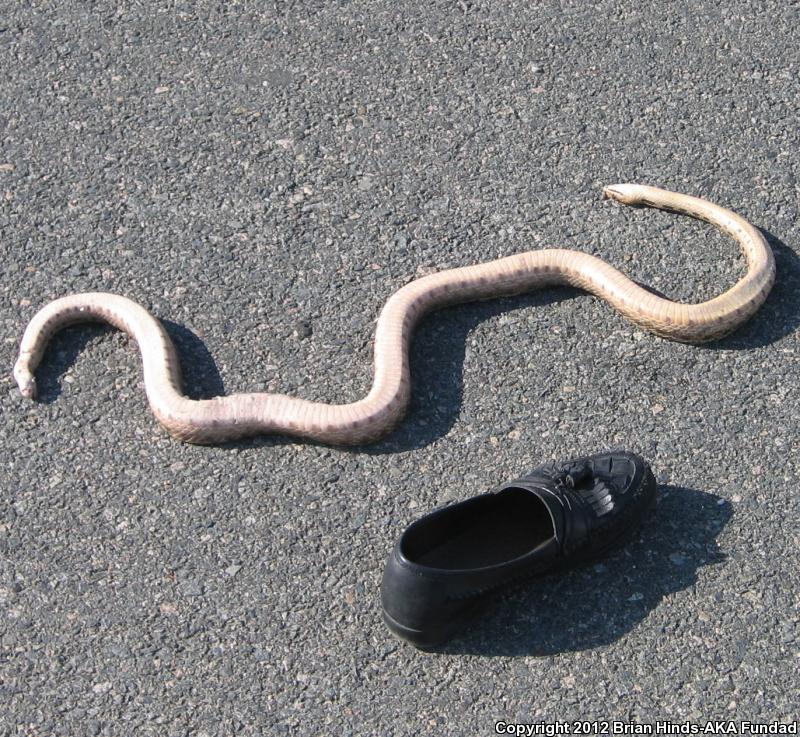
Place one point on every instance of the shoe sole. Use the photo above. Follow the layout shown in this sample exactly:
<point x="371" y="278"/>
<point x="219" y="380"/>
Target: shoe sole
<point x="431" y="638"/>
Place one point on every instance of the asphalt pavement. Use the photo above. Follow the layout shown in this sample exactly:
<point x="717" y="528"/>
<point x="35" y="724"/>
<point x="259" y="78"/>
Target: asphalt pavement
<point x="262" y="176"/>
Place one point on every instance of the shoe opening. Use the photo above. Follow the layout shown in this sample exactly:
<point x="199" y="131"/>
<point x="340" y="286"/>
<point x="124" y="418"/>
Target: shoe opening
<point x="487" y="531"/>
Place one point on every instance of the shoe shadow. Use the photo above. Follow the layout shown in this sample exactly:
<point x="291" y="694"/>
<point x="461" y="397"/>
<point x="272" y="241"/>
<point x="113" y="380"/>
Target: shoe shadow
<point x="598" y="604"/>
<point x="201" y="379"/>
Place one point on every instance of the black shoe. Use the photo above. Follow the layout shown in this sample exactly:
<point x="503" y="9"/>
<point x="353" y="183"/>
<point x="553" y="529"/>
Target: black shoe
<point x="448" y="565"/>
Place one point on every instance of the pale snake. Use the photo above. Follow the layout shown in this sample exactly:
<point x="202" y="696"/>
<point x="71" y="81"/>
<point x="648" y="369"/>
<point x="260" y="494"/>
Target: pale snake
<point x="224" y="418"/>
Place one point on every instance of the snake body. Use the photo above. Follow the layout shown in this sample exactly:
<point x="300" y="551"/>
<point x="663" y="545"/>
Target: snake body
<point x="225" y="418"/>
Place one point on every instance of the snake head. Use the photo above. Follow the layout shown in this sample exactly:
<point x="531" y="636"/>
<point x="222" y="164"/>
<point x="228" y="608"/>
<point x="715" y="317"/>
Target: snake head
<point x="25" y="379"/>
<point x="627" y="194"/>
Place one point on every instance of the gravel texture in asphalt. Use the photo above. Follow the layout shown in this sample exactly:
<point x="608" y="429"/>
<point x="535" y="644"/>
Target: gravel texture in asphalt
<point x="262" y="176"/>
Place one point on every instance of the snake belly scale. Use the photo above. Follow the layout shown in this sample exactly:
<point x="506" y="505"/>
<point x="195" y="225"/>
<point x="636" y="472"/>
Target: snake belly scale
<point x="229" y="417"/>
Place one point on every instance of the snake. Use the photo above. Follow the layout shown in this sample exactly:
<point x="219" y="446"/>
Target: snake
<point x="224" y="418"/>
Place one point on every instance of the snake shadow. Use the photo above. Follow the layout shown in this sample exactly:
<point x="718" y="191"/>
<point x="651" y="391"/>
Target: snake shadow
<point x="780" y="314"/>
<point x="437" y="358"/>
<point x="777" y="317"/>
<point x="201" y="378"/>
<point x="597" y="605"/>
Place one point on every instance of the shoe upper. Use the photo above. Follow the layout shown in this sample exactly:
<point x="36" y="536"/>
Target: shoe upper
<point x="594" y="495"/>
